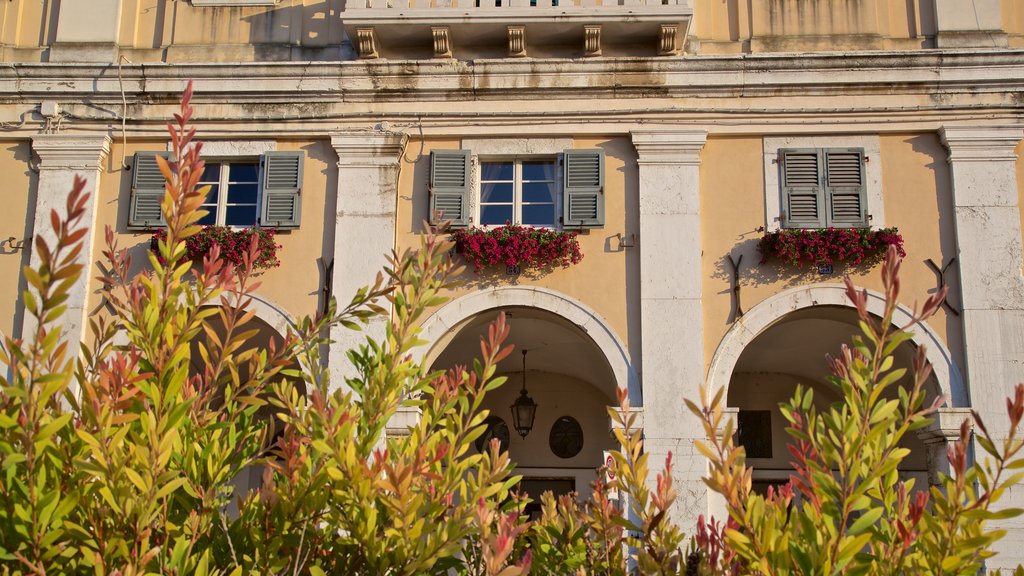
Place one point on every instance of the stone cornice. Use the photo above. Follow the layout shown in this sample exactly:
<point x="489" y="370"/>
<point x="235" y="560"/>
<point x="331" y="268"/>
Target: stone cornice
<point x="758" y="75"/>
<point x="982" y="143"/>
<point x="368" y="148"/>
<point x="70" y="151"/>
<point x="669" y="146"/>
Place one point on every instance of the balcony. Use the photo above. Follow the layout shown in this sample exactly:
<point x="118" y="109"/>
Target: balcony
<point x="468" y="29"/>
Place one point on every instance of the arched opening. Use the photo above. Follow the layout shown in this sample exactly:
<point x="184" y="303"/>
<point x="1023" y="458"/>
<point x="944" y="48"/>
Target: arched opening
<point x="251" y="477"/>
<point x="570" y="379"/>
<point x="792" y="351"/>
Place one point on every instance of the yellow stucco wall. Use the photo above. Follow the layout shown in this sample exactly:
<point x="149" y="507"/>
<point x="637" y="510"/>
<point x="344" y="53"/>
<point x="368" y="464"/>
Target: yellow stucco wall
<point x="607" y="278"/>
<point x="916" y="189"/>
<point x="1013" y="22"/>
<point x="295" y="285"/>
<point x="152" y="24"/>
<point x="27" y="24"/>
<point x="15" y="220"/>
<point x="732" y="26"/>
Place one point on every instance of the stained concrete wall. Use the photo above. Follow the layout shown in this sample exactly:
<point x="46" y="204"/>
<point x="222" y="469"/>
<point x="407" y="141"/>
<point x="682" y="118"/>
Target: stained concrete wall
<point x="15" y="221"/>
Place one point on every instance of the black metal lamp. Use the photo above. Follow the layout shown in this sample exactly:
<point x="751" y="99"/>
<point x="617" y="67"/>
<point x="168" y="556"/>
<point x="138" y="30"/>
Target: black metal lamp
<point x="524" y="409"/>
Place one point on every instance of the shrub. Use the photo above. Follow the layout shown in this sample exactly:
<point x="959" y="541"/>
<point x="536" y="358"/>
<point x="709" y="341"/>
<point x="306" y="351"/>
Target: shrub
<point x="854" y="514"/>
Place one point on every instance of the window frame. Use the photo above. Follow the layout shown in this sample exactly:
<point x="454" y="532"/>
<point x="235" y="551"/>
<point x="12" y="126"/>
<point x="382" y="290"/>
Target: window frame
<point x="517" y="161"/>
<point x="223" y="182"/>
<point x="774" y="194"/>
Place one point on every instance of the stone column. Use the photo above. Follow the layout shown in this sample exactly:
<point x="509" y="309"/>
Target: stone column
<point x="988" y="234"/>
<point x="364" y="228"/>
<point x="672" y="324"/>
<point x="937" y="437"/>
<point x="61" y="158"/>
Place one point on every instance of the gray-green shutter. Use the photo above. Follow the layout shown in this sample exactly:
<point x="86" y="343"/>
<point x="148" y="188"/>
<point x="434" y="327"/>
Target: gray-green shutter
<point x="282" y="189"/>
<point x="449" y="187"/>
<point x="803" y="194"/>
<point x="583" y="189"/>
<point x="845" y="187"/>
<point x="144" y="211"/>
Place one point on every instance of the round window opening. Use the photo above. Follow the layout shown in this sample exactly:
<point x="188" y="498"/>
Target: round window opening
<point x="566" y="438"/>
<point x="495" y="428"/>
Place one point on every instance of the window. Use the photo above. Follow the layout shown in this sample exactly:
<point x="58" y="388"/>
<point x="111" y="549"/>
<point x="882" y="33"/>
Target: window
<point x="822" y="180"/>
<point x="823" y="187"/>
<point x="233" y="198"/>
<point x="566" y="189"/>
<point x="518" y="191"/>
<point x="754" y="432"/>
<point x="262" y="191"/>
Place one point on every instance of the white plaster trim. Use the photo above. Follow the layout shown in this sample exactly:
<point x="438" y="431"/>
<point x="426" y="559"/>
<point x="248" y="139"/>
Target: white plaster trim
<point x="70" y="151"/>
<point x="234" y="2"/>
<point x="765" y="313"/>
<point x="873" y="171"/>
<point x="452" y="314"/>
<point x="275" y="316"/>
<point x="234" y="148"/>
<point x="515" y="147"/>
<point x="368" y="148"/>
<point x="669" y="146"/>
<point x="982" y="143"/>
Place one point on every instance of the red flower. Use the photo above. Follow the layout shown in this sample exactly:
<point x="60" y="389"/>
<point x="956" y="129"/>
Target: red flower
<point x="514" y="245"/>
<point x="233" y="245"/>
<point x="829" y="246"/>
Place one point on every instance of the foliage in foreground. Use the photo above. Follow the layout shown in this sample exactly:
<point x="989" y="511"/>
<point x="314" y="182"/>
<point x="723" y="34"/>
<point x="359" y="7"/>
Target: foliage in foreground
<point x="845" y="509"/>
<point x="120" y="458"/>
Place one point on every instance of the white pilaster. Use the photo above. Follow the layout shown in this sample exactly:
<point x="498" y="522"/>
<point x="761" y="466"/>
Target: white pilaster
<point x="672" y="333"/>
<point x="988" y="232"/>
<point x="969" y="24"/>
<point x="87" y="31"/>
<point x="364" y="229"/>
<point x="61" y="158"/>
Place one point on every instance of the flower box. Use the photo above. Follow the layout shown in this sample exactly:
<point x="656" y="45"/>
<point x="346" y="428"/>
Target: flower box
<point x="829" y="246"/>
<point x="234" y="243"/>
<point x="513" y="246"/>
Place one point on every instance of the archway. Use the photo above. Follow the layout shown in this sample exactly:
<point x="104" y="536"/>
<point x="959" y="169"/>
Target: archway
<point x="782" y="341"/>
<point x="569" y="377"/>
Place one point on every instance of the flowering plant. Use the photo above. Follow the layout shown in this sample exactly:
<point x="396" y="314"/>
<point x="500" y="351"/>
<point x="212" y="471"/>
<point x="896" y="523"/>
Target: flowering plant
<point x="829" y="245"/>
<point x="233" y="245"/>
<point x="517" y="246"/>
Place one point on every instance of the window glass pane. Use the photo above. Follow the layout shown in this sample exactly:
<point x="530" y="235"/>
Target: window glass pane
<point x="211" y="173"/>
<point x="539" y="214"/>
<point x="538" y="171"/>
<point x="496" y="170"/>
<point x="241" y="193"/>
<point x="210" y="218"/>
<point x="240" y="216"/>
<point x="495" y="193"/>
<point x="243" y="172"/>
<point x="495" y="214"/>
<point x="211" y="196"/>
<point x="538" y="192"/>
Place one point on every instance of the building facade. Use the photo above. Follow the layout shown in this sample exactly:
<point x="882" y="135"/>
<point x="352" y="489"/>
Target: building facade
<point x="703" y="123"/>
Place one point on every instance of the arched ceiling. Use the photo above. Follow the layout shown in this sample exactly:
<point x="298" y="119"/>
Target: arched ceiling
<point x="553" y="345"/>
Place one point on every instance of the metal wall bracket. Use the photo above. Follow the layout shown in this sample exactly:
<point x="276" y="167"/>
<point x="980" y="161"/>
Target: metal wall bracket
<point x="941" y="274"/>
<point x="737" y="307"/>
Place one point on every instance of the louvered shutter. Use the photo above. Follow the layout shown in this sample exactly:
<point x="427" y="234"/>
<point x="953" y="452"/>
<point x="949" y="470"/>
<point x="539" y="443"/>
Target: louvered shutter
<point x="147" y="192"/>
<point x="583" y="189"/>
<point x="282" y="189"/>
<point x="449" y="187"/>
<point x="845" y="187"/>
<point x="803" y="196"/>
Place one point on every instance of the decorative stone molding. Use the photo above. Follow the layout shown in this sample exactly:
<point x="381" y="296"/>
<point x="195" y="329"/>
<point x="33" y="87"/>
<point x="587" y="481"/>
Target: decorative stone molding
<point x="517" y="41"/>
<point x="366" y="43"/>
<point x="981" y="143"/>
<point x="592" y="40"/>
<point x="670" y="147"/>
<point x="368" y="148"/>
<point x="668" y="42"/>
<point x="946" y="426"/>
<point x="70" y="151"/>
<point x="442" y="41"/>
<point x="234" y="148"/>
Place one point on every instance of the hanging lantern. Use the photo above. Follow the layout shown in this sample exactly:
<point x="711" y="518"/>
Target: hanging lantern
<point x="524" y="409"/>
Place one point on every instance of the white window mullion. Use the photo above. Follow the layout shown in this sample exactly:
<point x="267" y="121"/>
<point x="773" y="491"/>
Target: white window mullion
<point x="517" y="192"/>
<point x="222" y="196"/>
